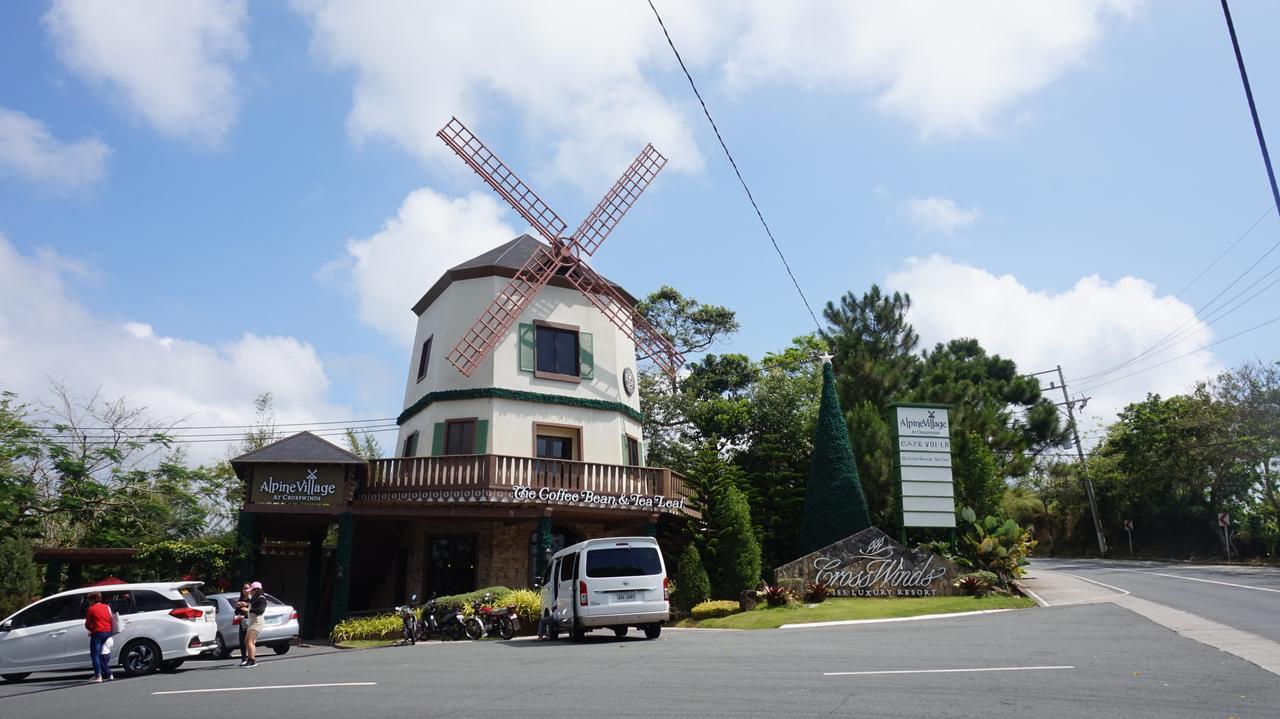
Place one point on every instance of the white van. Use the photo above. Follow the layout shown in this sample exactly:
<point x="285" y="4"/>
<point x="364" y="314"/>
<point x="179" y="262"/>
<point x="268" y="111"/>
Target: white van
<point x="613" y="583"/>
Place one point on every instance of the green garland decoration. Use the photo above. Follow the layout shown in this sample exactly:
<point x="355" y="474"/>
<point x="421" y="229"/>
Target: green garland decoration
<point x="449" y="395"/>
<point x="342" y="580"/>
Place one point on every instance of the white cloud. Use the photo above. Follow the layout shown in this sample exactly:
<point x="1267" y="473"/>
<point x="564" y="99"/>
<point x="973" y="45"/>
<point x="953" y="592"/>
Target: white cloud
<point x="30" y="151"/>
<point x="578" y="76"/>
<point x="572" y="70"/>
<point x="391" y="269"/>
<point x="939" y="215"/>
<point x="46" y="333"/>
<point x="1040" y="330"/>
<point x="170" y="62"/>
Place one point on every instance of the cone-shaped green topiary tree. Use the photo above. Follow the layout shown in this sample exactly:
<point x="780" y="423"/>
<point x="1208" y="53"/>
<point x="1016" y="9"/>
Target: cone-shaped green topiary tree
<point x="834" y="506"/>
<point x="692" y="584"/>
<point x="734" y="564"/>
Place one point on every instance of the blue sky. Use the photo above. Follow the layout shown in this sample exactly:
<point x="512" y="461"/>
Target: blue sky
<point x="201" y="201"/>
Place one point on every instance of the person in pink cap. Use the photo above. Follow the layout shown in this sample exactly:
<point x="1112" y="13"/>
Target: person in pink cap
<point x="257" y="608"/>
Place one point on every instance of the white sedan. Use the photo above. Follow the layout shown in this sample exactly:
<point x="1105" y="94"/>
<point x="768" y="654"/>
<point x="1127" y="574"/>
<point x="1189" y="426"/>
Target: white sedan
<point x="162" y="624"/>
<point x="279" y="630"/>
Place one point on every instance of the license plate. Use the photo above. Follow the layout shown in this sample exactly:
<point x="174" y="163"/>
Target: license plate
<point x="620" y="597"/>
<point x="277" y="619"/>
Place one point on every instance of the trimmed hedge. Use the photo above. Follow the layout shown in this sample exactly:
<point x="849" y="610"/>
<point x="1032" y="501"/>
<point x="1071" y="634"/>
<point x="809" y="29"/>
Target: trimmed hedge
<point x="714" y="608"/>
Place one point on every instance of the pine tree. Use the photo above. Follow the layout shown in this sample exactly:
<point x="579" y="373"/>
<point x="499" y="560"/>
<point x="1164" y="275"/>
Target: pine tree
<point x="19" y="577"/>
<point x="735" y="562"/>
<point x="692" y="584"/>
<point x="834" y="506"/>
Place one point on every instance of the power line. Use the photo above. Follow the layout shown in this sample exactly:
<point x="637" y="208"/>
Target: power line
<point x="350" y="422"/>
<point x="1271" y="321"/>
<point x="1275" y="196"/>
<point x="1177" y="295"/>
<point x="736" y="171"/>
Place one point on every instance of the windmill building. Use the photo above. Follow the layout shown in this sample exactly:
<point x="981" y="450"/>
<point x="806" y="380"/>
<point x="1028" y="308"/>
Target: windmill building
<point x="520" y="430"/>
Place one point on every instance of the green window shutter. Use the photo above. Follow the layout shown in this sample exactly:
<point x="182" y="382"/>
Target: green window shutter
<point x="586" y="358"/>
<point x="482" y="436"/>
<point x="625" y="449"/>
<point x="437" y="439"/>
<point x="526" y="343"/>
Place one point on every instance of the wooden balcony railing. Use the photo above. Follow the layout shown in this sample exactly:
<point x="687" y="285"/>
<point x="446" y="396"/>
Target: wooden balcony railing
<point x="490" y="472"/>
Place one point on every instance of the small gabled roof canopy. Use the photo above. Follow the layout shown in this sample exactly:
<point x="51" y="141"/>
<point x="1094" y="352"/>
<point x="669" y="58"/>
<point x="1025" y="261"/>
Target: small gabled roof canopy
<point x="505" y="260"/>
<point x="301" y="448"/>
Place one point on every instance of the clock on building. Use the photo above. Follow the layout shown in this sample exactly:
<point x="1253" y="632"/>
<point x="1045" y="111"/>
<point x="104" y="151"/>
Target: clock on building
<point x="629" y="381"/>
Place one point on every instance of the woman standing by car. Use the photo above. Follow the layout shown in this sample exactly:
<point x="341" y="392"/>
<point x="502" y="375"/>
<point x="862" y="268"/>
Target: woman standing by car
<point x="97" y="621"/>
<point x="242" y="612"/>
<point x="257" y="608"/>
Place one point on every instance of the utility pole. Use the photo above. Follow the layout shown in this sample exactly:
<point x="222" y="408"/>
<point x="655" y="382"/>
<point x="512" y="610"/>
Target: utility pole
<point x="1084" y="468"/>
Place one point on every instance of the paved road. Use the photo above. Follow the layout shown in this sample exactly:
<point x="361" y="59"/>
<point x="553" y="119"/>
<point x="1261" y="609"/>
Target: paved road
<point x="1122" y="665"/>
<point x="1245" y="598"/>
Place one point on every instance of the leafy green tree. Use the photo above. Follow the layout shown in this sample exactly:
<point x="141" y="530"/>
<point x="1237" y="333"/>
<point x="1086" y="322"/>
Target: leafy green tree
<point x="874" y="349"/>
<point x="734" y="564"/>
<point x="19" y="577"/>
<point x="692" y="584"/>
<point x="990" y="399"/>
<point x="21" y="447"/>
<point x="834" y="506"/>
<point x="783" y="411"/>
<point x="708" y="478"/>
<point x="363" y="444"/>
<point x="974" y="474"/>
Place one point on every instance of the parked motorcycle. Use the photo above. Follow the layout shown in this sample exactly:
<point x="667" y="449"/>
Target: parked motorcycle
<point x="409" y="619"/>
<point x="448" y="623"/>
<point x="500" y="622"/>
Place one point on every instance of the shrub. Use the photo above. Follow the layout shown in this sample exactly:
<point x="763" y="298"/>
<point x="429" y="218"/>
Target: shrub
<point x="714" y="608"/>
<point x="692" y="584"/>
<point x="462" y="602"/>
<point x="528" y="604"/>
<point x="816" y="592"/>
<point x="206" y="560"/>
<point x="778" y="596"/>
<point x="378" y="626"/>
<point x="975" y="584"/>
<point x="997" y="545"/>
<point x="735" y="562"/>
<point x="19" y="577"/>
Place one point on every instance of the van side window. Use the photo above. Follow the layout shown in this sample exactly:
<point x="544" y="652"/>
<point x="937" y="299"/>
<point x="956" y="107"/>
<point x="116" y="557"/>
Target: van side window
<point x="147" y="601"/>
<point x="548" y="573"/>
<point x="49" y="611"/>
<point x="567" y="566"/>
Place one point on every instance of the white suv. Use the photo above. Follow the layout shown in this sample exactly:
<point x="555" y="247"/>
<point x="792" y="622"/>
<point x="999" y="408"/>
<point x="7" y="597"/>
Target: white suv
<point x="161" y="625"/>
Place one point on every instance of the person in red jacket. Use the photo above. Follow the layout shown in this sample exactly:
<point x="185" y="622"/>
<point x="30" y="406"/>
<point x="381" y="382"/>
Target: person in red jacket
<point x="97" y="620"/>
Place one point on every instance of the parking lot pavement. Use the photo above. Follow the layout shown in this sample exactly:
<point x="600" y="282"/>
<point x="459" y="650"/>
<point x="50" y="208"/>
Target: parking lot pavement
<point x="44" y="682"/>
<point x="1085" y="660"/>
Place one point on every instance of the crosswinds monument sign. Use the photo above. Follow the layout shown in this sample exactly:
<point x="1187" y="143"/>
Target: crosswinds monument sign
<point x="870" y="564"/>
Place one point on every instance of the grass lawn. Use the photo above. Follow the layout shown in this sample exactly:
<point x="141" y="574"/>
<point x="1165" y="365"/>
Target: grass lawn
<point x="836" y="609"/>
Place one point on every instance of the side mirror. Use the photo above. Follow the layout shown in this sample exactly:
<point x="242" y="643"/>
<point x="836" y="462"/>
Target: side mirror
<point x="537" y="585"/>
<point x="413" y="597"/>
<point x="6" y="626"/>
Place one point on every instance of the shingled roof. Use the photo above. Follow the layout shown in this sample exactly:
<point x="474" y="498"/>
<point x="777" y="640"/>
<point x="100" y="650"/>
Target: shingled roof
<point x="502" y="261"/>
<point x="301" y="448"/>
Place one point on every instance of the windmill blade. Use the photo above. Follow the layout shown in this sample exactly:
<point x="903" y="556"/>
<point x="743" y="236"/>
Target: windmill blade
<point x="487" y="331"/>
<point x="649" y="341"/>
<point x="502" y="179"/>
<point x="624" y="193"/>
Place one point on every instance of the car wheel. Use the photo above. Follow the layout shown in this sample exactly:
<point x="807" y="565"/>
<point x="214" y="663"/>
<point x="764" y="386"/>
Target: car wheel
<point x="283" y="647"/>
<point x="15" y="677"/>
<point x="140" y="656"/>
<point x="224" y="652"/>
<point x="619" y="631"/>
<point x="652" y="631"/>
<point x="171" y="665"/>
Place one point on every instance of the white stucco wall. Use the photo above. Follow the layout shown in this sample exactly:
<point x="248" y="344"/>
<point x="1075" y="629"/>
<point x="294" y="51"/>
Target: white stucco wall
<point x="511" y="422"/>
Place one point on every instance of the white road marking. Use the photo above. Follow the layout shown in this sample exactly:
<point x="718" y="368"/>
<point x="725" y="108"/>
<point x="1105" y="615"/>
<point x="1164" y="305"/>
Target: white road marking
<point x="947" y="671"/>
<point x="1196" y="579"/>
<point x="275" y="686"/>
<point x="1100" y="584"/>
<point x="918" y="617"/>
